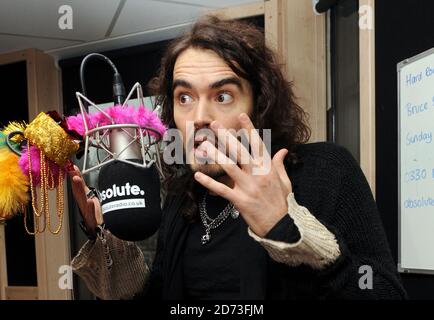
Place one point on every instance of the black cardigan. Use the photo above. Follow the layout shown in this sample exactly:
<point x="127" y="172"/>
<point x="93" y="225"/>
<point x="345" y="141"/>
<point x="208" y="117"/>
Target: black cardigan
<point x="329" y="182"/>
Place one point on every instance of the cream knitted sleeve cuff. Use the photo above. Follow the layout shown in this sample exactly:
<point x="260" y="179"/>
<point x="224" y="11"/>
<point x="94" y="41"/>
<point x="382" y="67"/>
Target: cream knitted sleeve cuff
<point x="316" y="247"/>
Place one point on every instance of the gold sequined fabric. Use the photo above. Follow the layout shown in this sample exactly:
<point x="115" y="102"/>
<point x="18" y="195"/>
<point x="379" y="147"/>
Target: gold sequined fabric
<point x="49" y="137"/>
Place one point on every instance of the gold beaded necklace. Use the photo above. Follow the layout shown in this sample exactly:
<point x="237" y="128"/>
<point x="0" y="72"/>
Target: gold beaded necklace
<point x="47" y="184"/>
<point x="54" y="144"/>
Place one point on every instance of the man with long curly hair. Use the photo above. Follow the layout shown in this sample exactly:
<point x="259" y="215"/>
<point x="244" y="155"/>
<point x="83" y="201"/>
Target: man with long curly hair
<point x="292" y="220"/>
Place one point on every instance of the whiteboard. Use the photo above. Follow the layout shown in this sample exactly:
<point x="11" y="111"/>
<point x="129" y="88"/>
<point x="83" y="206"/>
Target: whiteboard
<point x="416" y="163"/>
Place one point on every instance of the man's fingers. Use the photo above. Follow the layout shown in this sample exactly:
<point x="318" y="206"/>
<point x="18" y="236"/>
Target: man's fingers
<point x="90" y="208"/>
<point x="79" y="188"/>
<point x="98" y="211"/>
<point x="227" y="164"/>
<point x="74" y="172"/>
<point x="91" y="211"/>
<point x="214" y="186"/>
<point x="279" y="157"/>
<point x="232" y="146"/>
<point x="278" y="164"/>
<point x="258" y="147"/>
<point x="77" y="179"/>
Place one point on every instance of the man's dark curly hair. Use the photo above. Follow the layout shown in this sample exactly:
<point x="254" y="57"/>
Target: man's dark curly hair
<point x="242" y="46"/>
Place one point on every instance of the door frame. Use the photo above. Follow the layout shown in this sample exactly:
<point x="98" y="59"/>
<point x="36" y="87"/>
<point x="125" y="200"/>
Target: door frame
<point x="44" y="94"/>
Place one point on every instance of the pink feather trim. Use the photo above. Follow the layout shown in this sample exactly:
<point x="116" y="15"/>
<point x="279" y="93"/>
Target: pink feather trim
<point x="121" y="115"/>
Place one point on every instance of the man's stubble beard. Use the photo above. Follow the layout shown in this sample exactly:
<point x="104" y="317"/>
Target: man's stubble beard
<point x="213" y="170"/>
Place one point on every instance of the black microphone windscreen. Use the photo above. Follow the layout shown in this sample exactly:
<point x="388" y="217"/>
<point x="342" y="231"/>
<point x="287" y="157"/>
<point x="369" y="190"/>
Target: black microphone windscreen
<point x="130" y="200"/>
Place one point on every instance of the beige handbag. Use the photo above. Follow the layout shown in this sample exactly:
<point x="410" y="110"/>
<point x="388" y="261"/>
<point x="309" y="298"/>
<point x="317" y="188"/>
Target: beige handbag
<point x="111" y="268"/>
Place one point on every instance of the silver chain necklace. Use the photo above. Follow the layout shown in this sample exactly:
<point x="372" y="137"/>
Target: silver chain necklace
<point x="209" y="223"/>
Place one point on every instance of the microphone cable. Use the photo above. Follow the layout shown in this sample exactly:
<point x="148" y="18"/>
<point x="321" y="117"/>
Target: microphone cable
<point x="118" y="85"/>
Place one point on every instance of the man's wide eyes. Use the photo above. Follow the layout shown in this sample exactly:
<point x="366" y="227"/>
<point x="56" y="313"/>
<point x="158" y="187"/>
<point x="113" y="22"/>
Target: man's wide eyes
<point x="224" y="98"/>
<point x="185" y="98"/>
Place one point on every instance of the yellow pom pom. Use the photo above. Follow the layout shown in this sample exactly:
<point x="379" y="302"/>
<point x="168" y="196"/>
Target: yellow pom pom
<point x="13" y="185"/>
<point x="4" y="153"/>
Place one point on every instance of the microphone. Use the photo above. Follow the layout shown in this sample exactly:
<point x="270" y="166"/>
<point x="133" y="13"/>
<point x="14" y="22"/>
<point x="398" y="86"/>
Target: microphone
<point x="129" y="183"/>
<point x="130" y="200"/>
<point x="130" y="195"/>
